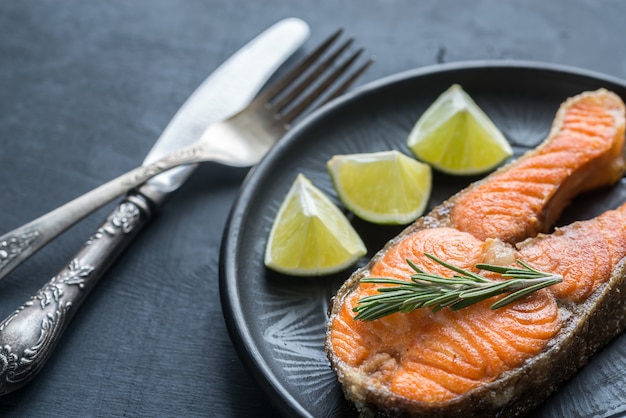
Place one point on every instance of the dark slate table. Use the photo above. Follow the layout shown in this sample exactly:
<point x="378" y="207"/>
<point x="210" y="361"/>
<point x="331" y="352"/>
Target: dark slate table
<point x="85" y="89"/>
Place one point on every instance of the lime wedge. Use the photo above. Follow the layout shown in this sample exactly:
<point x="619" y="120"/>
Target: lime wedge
<point x="455" y="136"/>
<point x="310" y="235"/>
<point x="382" y="187"/>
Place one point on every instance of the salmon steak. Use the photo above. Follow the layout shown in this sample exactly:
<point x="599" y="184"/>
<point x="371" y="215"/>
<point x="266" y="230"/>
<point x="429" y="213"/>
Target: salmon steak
<point x="479" y="361"/>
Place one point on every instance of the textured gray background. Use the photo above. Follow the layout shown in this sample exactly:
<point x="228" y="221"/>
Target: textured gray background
<point x="85" y="89"/>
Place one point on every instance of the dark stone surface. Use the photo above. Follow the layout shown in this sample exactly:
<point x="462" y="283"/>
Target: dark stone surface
<point x="85" y="89"/>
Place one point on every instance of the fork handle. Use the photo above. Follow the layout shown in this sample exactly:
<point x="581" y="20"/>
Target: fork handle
<point x="29" y="335"/>
<point x="19" y="244"/>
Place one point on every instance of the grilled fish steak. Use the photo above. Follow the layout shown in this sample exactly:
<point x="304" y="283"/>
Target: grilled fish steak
<point x="483" y="362"/>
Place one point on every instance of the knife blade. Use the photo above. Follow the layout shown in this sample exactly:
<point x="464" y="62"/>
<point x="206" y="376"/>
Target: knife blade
<point x="29" y="335"/>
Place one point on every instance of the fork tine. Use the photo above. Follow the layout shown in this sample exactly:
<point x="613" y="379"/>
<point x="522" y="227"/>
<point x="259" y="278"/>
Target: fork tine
<point x="298" y="108"/>
<point x="306" y="63"/>
<point x="311" y="78"/>
<point x="349" y="81"/>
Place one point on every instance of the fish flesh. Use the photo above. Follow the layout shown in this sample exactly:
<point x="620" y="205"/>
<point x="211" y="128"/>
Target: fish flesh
<point x="582" y="152"/>
<point x="483" y="362"/>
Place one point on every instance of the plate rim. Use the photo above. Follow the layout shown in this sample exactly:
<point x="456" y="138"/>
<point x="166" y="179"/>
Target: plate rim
<point x="239" y="331"/>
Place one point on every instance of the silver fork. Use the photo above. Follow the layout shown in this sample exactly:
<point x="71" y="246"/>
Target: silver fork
<point x="241" y="140"/>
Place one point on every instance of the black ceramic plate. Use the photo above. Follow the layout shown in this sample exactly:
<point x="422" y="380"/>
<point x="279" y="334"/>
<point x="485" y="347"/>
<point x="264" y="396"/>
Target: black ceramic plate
<point x="277" y="323"/>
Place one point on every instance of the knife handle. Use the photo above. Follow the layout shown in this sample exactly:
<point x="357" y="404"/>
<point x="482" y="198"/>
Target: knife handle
<point x="29" y="335"/>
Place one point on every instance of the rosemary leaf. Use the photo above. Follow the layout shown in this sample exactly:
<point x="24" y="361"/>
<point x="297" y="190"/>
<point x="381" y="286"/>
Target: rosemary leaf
<point x="525" y="292"/>
<point x="463" y="289"/>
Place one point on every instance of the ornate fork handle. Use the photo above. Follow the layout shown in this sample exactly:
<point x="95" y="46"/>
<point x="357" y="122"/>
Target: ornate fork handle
<point x="30" y="334"/>
<point x="220" y="142"/>
<point x="19" y="244"/>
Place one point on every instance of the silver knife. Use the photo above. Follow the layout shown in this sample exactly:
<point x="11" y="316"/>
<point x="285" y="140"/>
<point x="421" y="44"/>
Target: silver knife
<point x="29" y="335"/>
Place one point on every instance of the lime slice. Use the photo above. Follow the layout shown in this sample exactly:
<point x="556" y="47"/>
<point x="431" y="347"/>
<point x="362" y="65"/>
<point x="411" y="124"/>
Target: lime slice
<point x="310" y="235"/>
<point x="382" y="187"/>
<point x="455" y="136"/>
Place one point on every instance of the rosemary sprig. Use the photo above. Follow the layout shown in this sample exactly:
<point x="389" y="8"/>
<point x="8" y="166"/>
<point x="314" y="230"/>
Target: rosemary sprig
<point x="463" y="289"/>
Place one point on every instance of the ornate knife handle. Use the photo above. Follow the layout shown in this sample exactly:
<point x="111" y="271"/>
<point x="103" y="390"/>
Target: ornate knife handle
<point x="30" y="334"/>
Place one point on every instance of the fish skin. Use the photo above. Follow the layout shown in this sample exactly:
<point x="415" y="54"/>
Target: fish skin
<point x="494" y="384"/>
